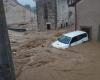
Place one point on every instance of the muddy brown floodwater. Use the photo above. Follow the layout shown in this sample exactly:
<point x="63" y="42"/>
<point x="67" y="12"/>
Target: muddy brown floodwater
<point x="35" y="59"/>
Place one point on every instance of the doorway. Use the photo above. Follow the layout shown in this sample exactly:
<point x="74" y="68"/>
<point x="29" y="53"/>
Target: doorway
<point x="99" y="34"/>
<point x="88" y="30"/>
<point x="48" y="26"/>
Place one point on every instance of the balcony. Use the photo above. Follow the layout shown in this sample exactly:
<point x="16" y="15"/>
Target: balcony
<point x="72" y="3"/>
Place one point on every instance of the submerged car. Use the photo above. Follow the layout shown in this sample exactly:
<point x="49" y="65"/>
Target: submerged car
<point x="70" y="39"/>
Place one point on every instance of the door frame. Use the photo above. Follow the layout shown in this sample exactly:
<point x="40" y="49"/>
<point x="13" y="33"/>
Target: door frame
<point x="90" y="31"/>
<point x="99" y="33"/>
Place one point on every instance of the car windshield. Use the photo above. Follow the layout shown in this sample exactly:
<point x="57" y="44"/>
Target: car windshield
<point x="64" y="39"/>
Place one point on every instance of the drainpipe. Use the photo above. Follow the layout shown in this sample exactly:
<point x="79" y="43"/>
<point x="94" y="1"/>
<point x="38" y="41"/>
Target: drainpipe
<point x="75" y="17"/>
<point x="37" y="12"/>
<point x="56" y="1"/>
<point x="6" y="63"/>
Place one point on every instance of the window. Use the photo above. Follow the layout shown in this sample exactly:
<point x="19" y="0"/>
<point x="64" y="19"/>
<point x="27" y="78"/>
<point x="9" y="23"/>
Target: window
<point x="83" y="35"/>
<point x="64" y="39"/>
<point x="77" y="38"/>
<point x="74" y="39"/>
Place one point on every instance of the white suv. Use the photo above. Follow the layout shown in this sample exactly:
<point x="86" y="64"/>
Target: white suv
<point x="70" y="39"/>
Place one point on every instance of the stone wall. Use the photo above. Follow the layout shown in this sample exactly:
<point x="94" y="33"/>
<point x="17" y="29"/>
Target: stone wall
<point x="89" y="15"/>
<point x="17" y="14"/>
<point x="46" y="13"/>
<point x="63" y="13"/>
<point x="57" y="11"/>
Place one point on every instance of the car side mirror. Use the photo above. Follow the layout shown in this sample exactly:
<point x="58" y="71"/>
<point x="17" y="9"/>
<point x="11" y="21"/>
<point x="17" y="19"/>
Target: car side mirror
<point x="70" y="44"/>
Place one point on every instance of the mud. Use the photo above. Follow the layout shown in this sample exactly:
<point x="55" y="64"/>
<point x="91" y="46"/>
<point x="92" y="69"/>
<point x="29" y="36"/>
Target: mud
<point x="35" y="59"/>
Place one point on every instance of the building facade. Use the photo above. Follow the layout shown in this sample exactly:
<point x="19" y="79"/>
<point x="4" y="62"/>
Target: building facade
<point x="65" y="14"/>
<point x="46" y="14"/>
<point x="17" y="14"/>
<point x="88" y="16"/>
<point x="52" y="14"/>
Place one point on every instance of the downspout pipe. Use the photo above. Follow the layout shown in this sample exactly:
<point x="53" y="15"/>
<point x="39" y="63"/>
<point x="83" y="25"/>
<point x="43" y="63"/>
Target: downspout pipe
<point x="75" y="17"/>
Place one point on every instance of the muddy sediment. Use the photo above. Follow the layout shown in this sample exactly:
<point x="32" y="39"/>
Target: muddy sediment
<point x="35" y="59"/>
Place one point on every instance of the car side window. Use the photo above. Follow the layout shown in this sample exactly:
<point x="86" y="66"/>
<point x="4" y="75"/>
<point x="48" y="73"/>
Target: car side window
<point x="74" y="39"/>
<point x="79" y="37"/>
<point x="83" y="35"/>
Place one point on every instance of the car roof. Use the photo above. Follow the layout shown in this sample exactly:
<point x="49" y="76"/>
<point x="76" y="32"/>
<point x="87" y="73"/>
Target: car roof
<point x="74" y="33"/>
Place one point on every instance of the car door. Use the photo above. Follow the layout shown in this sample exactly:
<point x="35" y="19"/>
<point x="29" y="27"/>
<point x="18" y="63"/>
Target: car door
<point x="79" y="40"/>
<point x="74" y="41"/>
<point x="84" y="37"/>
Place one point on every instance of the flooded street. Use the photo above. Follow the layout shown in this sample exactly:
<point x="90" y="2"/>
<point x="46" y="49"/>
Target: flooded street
<point x="35" y="59"/>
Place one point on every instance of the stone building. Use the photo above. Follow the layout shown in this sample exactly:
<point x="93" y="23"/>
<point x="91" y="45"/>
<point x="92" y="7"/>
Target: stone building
<point x="52" y="14"/>
<point x="17" y="14"/>
<point x="88" y="14"/>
